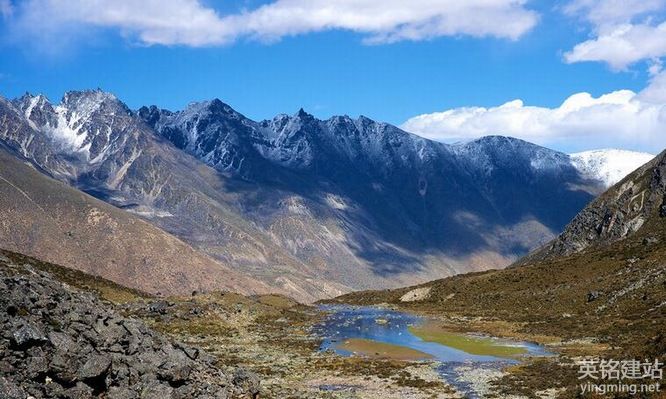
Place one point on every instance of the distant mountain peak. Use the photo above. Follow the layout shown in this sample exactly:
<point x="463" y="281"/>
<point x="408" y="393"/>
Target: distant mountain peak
<point x="302" y="114"/>
<point x="97" y="96"/>
<point x="609" y="165"/>
<point x="218" y="106"/>
<point x="84" y="125"/>
<point x="27" y="96"/>
<point x="28" y="102"/>
<point x="496" y="139"/>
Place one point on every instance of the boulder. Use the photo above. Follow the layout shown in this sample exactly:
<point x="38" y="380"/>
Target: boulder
<point x="56" y="341"/>
<point x="28" y="334"/>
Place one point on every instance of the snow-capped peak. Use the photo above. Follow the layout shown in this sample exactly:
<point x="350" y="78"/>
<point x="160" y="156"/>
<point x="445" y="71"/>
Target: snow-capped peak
<point x="87" y="99"/>
<point x="608" y="165"/>
<point x="80" y="125"/>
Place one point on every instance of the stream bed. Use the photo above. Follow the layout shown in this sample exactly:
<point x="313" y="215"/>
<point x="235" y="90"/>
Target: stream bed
<point x="462" y="360"/>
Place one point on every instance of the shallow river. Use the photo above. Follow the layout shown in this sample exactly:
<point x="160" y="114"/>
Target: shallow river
<point x="462" y="360"/>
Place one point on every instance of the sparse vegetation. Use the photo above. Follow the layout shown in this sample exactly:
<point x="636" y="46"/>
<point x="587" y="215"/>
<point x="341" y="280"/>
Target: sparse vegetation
<point x="474" y="345"/>
<point x="106" y="289"/>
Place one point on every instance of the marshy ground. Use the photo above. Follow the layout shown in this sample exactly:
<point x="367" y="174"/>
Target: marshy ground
<point x="273" y="336"/>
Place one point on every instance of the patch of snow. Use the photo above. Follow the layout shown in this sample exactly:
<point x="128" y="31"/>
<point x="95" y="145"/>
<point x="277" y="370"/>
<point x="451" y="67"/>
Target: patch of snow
<point x="28" y="111"/>
<point x="68" y="129"/>
<point x="295" y="205"/>
<point x="335" y="202"/>
<point x="608" y="165"/>
<point x="148" y="212"/>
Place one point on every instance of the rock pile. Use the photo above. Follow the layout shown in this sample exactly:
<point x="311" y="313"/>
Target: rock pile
<point x="58" y="342"/>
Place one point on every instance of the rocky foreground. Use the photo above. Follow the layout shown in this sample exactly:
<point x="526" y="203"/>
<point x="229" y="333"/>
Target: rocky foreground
<point x="60" y="342"/>
<point x="67" y="334"/>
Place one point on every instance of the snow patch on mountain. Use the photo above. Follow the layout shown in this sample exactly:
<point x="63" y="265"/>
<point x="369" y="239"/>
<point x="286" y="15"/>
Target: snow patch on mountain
<point x="608" y="165"/>
<point x="68" y="124"/>
<point x="68" y="130"/>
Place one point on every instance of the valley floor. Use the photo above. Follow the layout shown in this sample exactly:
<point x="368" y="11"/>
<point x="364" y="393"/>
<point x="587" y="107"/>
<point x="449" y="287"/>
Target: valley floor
<point x="272" y="337"/>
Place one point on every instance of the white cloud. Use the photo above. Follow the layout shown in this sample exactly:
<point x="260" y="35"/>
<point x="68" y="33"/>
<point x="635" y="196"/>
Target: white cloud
<point x="656" y="66"/>
<point x="624" y="31"/>
<point x="148" y="21"/>
<point x="191" y="23"/>
<point x="612" y="12"/>
<point x="393" y="20"/>
<point x="655" y="93"/>
<point x="622" y="46"/>
<point x="622" y="119"/>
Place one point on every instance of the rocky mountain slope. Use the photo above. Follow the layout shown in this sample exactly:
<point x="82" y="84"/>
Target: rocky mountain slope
<point x="401" y="205"/>
<point x="617" y="214"/>
<point x="57" y="341"/>
<point x="45" y="218"/>
<point x="602" y="281"/>
<point x="312" y="208"/>
<point x="112" y="155"/>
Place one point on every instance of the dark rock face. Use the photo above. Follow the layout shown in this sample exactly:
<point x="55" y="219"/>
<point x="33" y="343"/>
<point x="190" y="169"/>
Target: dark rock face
<point x="592" y="296"/>
<point x="59" y="343"/>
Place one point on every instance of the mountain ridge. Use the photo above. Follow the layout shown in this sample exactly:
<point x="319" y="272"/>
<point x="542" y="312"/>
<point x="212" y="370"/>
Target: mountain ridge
<point x="312" y="207"/>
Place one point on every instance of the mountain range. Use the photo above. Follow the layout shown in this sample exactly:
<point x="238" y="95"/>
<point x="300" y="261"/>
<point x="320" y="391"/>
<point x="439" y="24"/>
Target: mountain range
<point x="306" y="207"/>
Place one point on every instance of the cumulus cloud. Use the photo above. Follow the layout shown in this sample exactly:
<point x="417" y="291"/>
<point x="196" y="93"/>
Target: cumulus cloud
<point x="147" y="21"/>
<point x="191" y="23"/>
<point x="622" y="119"/>
<point x="624" y="32"/>
<point x="393" y="20"/>
<point x="622" y="46"/>
<point x="655" y="93"/>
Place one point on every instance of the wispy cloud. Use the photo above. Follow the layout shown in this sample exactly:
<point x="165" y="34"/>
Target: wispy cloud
<point x="622" y="119"/>
<point x="6" y="9"/>
<point x="602" y="13"/>
<point x="191" y="23"/>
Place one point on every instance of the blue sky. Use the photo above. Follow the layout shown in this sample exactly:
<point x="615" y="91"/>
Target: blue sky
<point x="334" y="70"/>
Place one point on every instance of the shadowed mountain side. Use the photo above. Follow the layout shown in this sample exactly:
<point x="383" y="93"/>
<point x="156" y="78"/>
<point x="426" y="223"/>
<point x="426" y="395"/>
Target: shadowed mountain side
<point x="602" y="280"/>
<point x="415" y="195"/>
<point x="49" y="220"/>
<point x="396" y="177"/>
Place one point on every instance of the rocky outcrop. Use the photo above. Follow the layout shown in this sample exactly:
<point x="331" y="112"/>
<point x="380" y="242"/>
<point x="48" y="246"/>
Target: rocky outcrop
<point x="417" y="294"/>
<point x="57" y="342"/>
